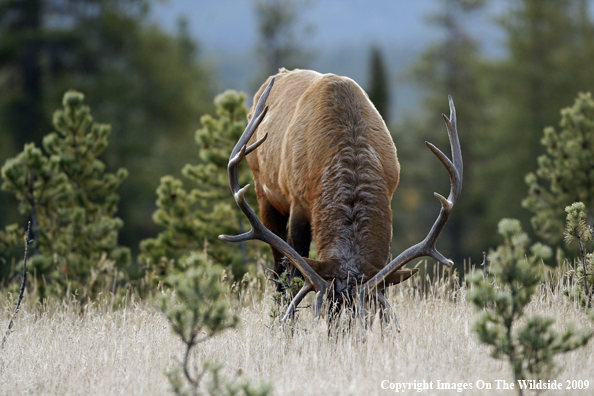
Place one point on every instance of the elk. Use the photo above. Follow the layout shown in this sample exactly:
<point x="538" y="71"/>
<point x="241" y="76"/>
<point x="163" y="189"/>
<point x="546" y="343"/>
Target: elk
<point x="329" y="168"/>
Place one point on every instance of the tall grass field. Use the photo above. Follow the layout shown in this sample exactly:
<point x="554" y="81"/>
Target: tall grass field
<point x="62" y="348"/>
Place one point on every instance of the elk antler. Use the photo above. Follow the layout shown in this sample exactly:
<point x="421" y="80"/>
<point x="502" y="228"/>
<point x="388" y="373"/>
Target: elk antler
<point x="312" y="280"/>
<point x="427" y="246"/>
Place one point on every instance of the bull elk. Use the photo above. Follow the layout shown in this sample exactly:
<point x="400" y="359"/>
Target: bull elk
<point x="329" y="169"/>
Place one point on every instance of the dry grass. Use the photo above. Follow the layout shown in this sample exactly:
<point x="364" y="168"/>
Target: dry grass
<point x="61" y="349"/>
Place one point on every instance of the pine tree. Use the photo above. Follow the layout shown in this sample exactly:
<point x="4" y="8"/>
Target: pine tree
<point x="449" y="67"/>
<point x="71" y="201"/>
<point x="277" y="46"/>
<point x="194" y="219"/>
<point x="565" y="173"/>
<point x="577" y="230"/>
<point x="21" y="47"/>
<point x="198" y="309"/>
<point x="549" y="46"/>
<point x="379" y="84"/>
<point x="150" y="84"/>
<point x="504" y="294"/>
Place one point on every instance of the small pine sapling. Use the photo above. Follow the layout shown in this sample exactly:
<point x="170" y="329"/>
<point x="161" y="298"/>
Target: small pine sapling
<point x="193" y="218"/>
<point x="72" y="203"/>
<point x="565" y="173"/>
<point x="577" y="230"/>
<point x="198" y="309"/>
<point x="513" y="277"/>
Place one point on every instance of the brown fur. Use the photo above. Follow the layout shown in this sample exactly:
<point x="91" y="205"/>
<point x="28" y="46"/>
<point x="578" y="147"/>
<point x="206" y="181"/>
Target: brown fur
<point x="329" y="165"/>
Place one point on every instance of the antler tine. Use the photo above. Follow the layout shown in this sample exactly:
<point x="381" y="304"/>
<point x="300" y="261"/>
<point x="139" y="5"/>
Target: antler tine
<point x="307" y="287"/>
<point x="427" y="246"/>
<point x="259" y="231"/>
<point x="259" y="113"/>
<point x="456" y="168"/>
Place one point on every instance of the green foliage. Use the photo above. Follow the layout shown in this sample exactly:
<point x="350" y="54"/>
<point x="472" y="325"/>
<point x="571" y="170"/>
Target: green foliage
<point x="290" y="287"/>
<point x="71" y="201"/>
<point x="151" y="85"/>
<point x="513" y="277"/>
<point x="193" y="219"/>
<point x="550" y="49"/>
<point x="566" y="172"/>
<point x="198" y="308"/>
<point x="278" y="46"/>
<point x="577" y="230"/>
<point x="21" y="53"/>
<point x="503" y="106"/>
<point x="197" y="303"/>
<point x="379" y="84"/>
<point x="451" y="66"/>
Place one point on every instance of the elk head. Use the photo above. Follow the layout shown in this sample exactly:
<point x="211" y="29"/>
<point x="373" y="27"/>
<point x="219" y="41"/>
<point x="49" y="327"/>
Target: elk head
<point x="330" y="167"/>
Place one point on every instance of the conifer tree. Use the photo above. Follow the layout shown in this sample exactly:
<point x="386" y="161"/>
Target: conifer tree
<point x="504" y="294"/>
<point x="71" y="201"/>
<point x="198" y="309"/>
<point x="379" y="84"/>
<point x="565" y="173"/>
<point x="577" y="230"/>
<point x="550" y="50"/>
<point x="278" y="26"/>
<point x="451" y="66"/>
<point x="193" y="219"/>
<point x="150" y="84"/>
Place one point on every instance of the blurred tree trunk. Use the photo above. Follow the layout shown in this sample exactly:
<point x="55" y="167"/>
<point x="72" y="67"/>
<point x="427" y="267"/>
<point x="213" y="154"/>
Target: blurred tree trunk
<point x="22" y="104"/>
<point x="449" y="67"/>
<point x="150" y="85"/>
<point x="279" y="31"/>
<point x="379" y="83"/>
<point x="550" y="55"/>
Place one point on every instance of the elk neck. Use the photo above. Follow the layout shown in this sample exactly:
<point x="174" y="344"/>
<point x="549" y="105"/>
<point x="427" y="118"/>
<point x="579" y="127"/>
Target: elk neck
<point x="352" y="225"/>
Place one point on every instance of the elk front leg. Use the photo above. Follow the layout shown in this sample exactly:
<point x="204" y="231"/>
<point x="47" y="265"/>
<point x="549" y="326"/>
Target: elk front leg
<point x="276" y="222"/>
<point x="299" y="237"/>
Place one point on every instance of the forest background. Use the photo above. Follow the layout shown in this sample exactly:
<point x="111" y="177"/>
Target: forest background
<point x="511" y="66"/>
